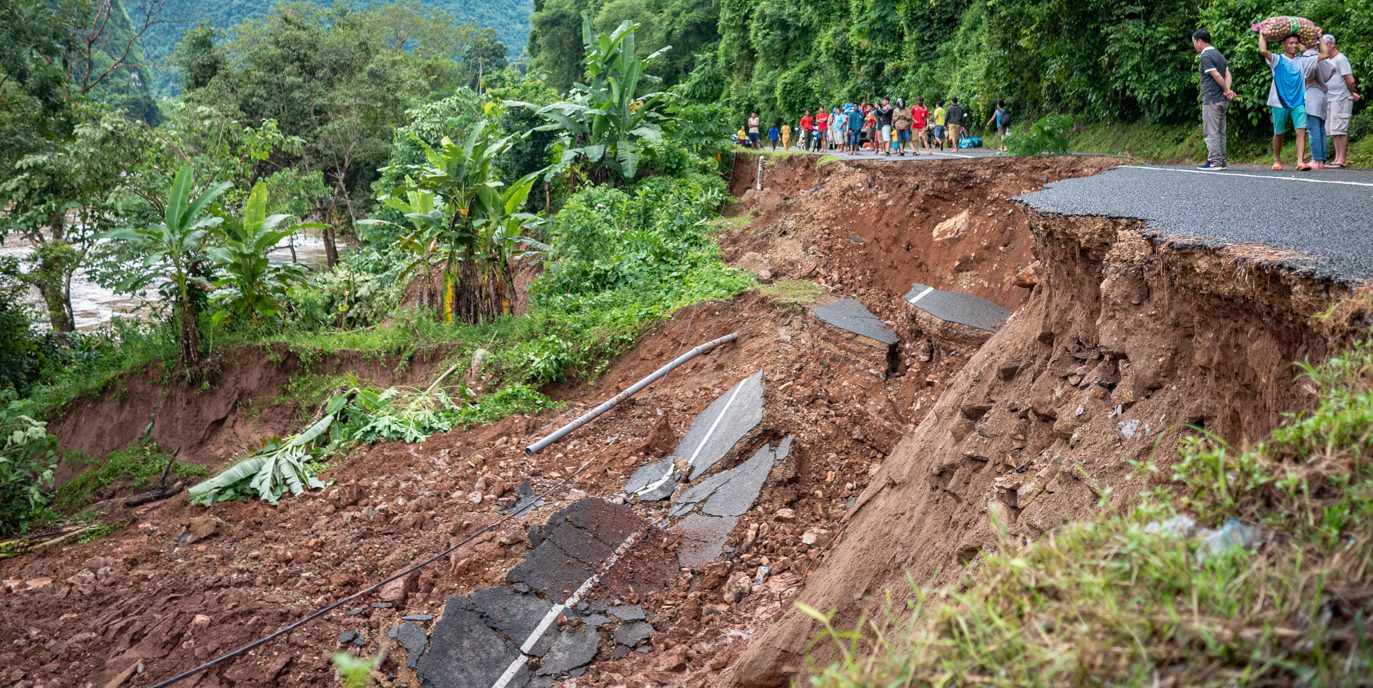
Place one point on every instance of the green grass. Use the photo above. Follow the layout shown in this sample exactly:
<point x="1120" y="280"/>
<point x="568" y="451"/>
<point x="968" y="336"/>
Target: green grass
<point x="1157" y="143"/>
<point x="136" y="467"/>
<point x="792" y="291"/>
<point x="1109" y="601"/>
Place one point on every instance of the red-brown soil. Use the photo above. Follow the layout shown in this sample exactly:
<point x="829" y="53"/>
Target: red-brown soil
<point x="1173" y="343"/>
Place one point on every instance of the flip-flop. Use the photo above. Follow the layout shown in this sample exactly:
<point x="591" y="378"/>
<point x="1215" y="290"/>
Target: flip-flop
<point x="1335" y="166"/>
<point x="1303" y="168"/>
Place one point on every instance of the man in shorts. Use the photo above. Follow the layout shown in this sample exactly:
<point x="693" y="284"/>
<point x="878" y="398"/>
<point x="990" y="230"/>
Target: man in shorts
<point x="954" y="120"/>
<point x="884" y="124"/>
<point x="920" y="123"/>
<point x="1339" y="101"/>
<point x="822" y="127"/>
<point x="807" y="126"/>
<point x="1287" y="94"/>
<point x="901" y="124"/>
<point x="855" y="129"/>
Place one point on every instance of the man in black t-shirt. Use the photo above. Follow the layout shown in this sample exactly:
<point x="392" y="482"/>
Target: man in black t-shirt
<point x="1215" y="99"/>
<point x="955" y="119"/>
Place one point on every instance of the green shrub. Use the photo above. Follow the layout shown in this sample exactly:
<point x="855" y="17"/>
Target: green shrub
<point x="28" y="455"/>
<point x="1048" y="135"/>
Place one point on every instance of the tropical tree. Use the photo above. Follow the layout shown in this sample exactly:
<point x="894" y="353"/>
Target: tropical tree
<point x="464" y="216"/>
<point x="172" y="248"/>
<point x="251" y="287"/>
<point x="606" y="121"/>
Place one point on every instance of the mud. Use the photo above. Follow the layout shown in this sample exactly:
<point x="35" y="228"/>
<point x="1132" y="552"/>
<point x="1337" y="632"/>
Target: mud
<point x="897" y="456"/>
<point x="1122" y="344"/>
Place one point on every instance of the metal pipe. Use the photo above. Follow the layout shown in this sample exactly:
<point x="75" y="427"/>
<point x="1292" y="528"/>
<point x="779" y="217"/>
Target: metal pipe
<point x="627" y="393"/>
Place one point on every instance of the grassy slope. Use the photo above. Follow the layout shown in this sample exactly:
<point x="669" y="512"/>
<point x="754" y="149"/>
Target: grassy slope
<point x="1113" y="601"/>
<point x="1184" y="144"/>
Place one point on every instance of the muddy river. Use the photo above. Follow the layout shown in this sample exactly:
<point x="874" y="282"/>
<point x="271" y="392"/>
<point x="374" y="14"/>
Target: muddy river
<point x="94" y="305"/>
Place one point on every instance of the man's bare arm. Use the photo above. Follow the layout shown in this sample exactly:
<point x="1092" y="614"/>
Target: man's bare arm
<point x="1349" y="83"/>
<point x="1263" y="47"/>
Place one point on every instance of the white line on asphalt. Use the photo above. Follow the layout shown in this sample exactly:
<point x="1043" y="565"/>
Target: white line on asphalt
<point x="552" y="615"/>
<point x="692" y="461"/>
<point x="1250" y="176"/>
<point x="921" y="295"/>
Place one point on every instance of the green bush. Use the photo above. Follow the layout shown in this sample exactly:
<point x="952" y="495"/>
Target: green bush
<point x="28" y="455"/>
<point x="1048" y="135"/>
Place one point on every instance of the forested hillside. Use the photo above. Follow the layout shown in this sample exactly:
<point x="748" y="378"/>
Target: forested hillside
<point x="508" y="19"/>
<point x="1094" y="59"/>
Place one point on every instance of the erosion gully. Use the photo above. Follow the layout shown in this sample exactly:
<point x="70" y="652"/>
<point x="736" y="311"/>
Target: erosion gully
<point x="966" y="357"/>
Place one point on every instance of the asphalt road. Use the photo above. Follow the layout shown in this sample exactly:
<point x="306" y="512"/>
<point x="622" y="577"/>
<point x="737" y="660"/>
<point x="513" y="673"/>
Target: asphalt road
<point x="1326" y="215"/>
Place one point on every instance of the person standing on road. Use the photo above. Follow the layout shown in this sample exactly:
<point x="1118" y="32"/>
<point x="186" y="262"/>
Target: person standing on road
<point x="774" y="133"/>
<point x="1316" y="108"/>
<point x="855" y="128"/>
<point x="920" y="123"/>
<point x="884" y="126"/>
<point x="1287" y="94"/>
<point x="754" y="127"/>
<point x="1340" y="97"/>
<point x="1216" y="95"/>
<point x="807" y="125"/>
<point x="954" y="119"/>
<point x="822" y="127"/>
<point x="940" y="117"/>
<point x="836" y="122"/>
<point x="901" y="122"/>
<point x="786" y="136"/>
<point x="1001" y="119"/>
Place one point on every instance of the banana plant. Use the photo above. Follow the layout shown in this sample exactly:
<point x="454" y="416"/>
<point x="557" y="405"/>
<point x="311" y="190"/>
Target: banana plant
<point x="471" y="220"/>
<point x="423" y="213"/>
<point x="172" y="248"/>
<point x="251" y="288"/>
<point x="607" y="121"/>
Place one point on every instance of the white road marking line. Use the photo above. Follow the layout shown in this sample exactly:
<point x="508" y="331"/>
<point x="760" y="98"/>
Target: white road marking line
<point x="921" y="295"/>
<point x="692" y="461"/>
<point x="1250" y="176"/>
<point x="552" y="615"/>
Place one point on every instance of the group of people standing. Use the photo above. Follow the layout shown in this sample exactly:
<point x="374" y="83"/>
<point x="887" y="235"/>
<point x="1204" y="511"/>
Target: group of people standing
<point x="1312" y="93"/>
<point x="881" y="127"/>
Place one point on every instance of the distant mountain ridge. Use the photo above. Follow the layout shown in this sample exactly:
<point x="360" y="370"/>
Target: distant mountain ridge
<point x="509" y="18"/>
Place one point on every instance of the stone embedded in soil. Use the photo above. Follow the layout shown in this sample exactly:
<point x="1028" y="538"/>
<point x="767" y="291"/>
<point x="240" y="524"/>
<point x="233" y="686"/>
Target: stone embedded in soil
<point x="203" y="528"/>
<point x="726" y="421"/>
<point x="571" y="650"/>
<point x="957" y="307"/>
<point x="414" y="639"/>
<point x="854" y="317"/>
<point x="703" y="537"/>
<point x="633" y="633"/>
<point x="627" y="612"/>
<point x="525" y="500"/>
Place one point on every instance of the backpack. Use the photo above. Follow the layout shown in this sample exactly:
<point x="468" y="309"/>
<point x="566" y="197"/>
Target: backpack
<point x="1005" y="117"/>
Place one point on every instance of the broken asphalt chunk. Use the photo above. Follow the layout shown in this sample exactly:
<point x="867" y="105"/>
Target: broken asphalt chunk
<point x="853" y="317"/>
<point x="957" y="307"/>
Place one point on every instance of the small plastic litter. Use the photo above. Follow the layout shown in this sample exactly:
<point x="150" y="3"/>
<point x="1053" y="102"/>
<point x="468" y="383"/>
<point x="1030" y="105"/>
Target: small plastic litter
<point x="1128" y="428"/>
<point x="1231" y="534"/>
<point x="1177" y="527"/>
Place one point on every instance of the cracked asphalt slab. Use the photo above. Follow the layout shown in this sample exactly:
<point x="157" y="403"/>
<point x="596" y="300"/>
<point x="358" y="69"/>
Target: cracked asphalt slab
<point x="1323" y="215"/>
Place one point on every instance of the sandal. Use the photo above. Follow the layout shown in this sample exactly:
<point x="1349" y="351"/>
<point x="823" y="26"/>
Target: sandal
<point x="1303" y="168"/>
<point x="1335" y="166"/>
<point x="1277" y="167"/>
